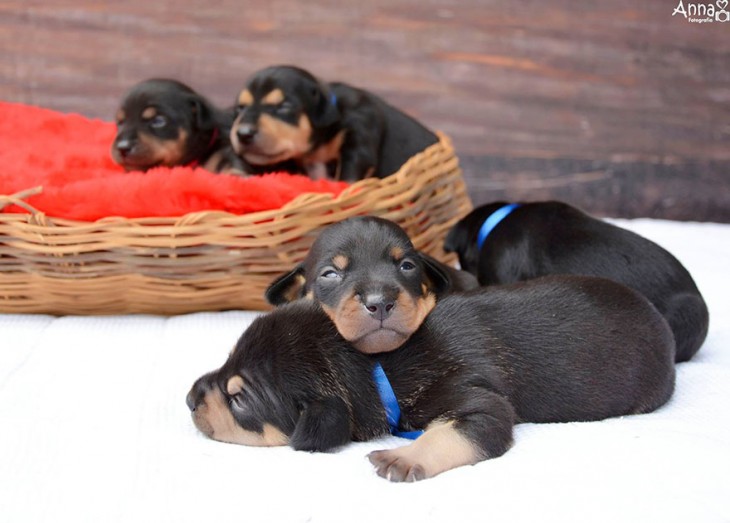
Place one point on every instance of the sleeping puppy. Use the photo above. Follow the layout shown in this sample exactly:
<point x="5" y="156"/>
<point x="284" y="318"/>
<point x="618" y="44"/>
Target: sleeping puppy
<point x="330" y="130"/>
<point x="371" y="281"/>
<point x="554" y="349"/>
<point x="164" y="122"/>
<point x="535" y="239"/>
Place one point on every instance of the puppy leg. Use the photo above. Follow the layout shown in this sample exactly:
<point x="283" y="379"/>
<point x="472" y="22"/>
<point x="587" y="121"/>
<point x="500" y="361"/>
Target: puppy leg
<point x="322" y="426"/>
<point x="225" y="161"/>
<point x="464" y="439"/>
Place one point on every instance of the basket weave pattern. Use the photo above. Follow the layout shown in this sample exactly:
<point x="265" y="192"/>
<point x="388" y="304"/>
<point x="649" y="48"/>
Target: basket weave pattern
<point x="208" y="260"/>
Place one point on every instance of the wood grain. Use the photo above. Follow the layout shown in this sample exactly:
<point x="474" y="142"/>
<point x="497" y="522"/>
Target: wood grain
<point x="617" y="107"/>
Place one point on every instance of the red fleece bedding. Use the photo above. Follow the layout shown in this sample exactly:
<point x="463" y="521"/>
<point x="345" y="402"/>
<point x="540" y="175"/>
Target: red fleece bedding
<point x="68" y="155"/>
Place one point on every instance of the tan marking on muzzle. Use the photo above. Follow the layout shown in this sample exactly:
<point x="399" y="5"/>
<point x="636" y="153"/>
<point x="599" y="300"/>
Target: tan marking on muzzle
<point x="213" y="418"/>
<point x="281" y="140"/>
<point x="356" y="325"/>
<point x="164" y="152"/>
<point x="318" y="158"/>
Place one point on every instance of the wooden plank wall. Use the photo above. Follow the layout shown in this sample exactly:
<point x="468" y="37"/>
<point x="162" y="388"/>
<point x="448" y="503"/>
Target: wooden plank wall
<point x="617" y="107"/>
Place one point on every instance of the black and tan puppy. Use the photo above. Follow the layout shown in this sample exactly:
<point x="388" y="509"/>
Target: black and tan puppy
<point x="163" y="122"/>
<point x="330" y="130"/>
<point x="375" y="286"/>
<point x="536" y="239"/>
<point x="554" y="349"/>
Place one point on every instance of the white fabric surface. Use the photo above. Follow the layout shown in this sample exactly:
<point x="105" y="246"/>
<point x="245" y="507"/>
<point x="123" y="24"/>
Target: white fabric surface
<point x="94" y="427"/>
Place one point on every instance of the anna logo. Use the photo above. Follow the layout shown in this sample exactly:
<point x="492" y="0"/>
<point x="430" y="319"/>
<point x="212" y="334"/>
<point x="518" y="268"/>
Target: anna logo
<point x="703" y="13"/>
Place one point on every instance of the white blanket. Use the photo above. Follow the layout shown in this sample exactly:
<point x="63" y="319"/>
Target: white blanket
<point x="94" y="427"/>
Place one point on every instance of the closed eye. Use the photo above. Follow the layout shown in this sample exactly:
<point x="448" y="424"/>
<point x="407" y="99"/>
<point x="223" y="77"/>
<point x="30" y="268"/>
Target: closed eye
<point x="158" y="122"/>
<point x="284" y="108"/>
<point x="237" y="402"/>
<point x="330" y="274"/>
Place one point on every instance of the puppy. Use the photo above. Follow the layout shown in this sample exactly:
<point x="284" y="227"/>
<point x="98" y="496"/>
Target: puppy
<point x="536" y="239"/>
<point x="370" y="280"/>
<point x="330" y="130"/>
<point x="554" y="349"/>
<point x="164" y="122"/>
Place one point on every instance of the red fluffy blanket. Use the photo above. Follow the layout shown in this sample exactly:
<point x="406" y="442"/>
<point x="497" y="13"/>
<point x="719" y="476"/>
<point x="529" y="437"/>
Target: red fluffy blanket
<point x="68" y="156"/>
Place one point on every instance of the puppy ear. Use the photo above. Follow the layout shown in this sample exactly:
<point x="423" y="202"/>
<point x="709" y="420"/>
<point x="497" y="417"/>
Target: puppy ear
<point x="325" y="103"/>
<point x="288" y="287"/>
<point x="437" y="275"/>
<point x="203" y="115"/>
<point x="453" y="239"/>
<point x="323" y="425"/>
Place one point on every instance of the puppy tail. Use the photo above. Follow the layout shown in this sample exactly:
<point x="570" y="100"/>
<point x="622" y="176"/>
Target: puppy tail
<point x="689" y="319"/>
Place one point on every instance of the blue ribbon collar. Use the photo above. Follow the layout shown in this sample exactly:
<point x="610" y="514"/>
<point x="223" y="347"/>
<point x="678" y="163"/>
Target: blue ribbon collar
<point x="493" y="220"/>
<point x="390" y="402"/>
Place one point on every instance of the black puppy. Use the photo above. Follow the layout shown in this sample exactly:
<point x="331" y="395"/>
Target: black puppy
<point x="163" y="122"/>
<point x="536" y="239"/>
<point x="375" y="286"/>
<point x="554" y="349"/>
<point x="335" y="130"/>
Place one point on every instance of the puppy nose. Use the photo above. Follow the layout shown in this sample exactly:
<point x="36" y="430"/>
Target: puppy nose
<point x="246" y="133"/>
<point x="190" y="400"/>
<point x="379" y="306"/>
<point x="124" y="146"/>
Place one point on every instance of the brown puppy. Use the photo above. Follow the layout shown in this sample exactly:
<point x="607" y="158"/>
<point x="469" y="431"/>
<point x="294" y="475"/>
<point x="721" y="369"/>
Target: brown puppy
<point x="329" y="130"/>
<point x="164" y="122"/>
<point x="375" y="286"/>
<point x="554" y="349"/>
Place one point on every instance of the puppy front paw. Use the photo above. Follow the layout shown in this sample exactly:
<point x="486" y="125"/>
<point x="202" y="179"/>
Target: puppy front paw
<point x="397" y="465"/>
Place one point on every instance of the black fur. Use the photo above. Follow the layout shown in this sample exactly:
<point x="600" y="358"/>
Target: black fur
<point x="302" y="377"/>
<point x="351" y="133"/>
<point x="554" y="349"/>
<point x="543" y="238"/>
<point x="372" y="278"/>
<point x="186" y="129"/>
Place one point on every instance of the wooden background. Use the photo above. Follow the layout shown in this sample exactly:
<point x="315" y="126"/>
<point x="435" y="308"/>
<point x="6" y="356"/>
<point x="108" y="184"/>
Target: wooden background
<point x="617" y="107"/>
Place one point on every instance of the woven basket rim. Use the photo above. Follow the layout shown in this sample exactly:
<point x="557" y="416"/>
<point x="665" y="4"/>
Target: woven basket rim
<point x="40" y="217"/>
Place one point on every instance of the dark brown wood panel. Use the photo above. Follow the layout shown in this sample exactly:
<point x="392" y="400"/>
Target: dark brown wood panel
<point x="617" y="107"/>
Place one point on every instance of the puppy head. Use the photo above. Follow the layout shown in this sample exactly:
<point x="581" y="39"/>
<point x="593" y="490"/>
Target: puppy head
<point x="279" y="367"/>
<point x="280" y="112"/>
<point x="369" y="279"/>
<point x="462" y="238"/>
<point x="162" y="123"/>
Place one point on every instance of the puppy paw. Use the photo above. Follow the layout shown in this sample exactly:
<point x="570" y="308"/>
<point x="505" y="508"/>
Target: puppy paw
<point x="397" y="465"/>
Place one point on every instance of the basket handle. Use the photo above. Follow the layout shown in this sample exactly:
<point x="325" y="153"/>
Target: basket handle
<point x="18" y="197"/>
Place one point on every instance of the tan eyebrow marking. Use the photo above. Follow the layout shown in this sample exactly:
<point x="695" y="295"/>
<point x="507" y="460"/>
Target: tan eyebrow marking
<point x="341" y="262"/>
<point x="234" y="385"/>
<point x="275" y="97"/>
<point x="245" y="98"/>
<point x="149" y="113"/>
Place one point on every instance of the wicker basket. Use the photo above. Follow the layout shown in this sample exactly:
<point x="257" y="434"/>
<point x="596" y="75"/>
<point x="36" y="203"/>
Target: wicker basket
<point x="208" y="260"/>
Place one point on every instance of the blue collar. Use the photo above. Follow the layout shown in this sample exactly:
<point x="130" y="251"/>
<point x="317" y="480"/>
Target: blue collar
<point x="333" y="99"/>
<point x="390" y="402"/>
<point x="493" y="220"/>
